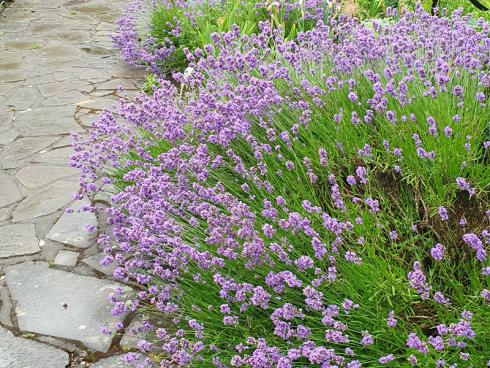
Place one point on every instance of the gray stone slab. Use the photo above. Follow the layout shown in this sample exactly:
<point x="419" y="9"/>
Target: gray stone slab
<point x="9" y="192"/>
<point x="112" y="362"/>
<point x="8" y="136"/>
<point x="4" y="213"/>
<point x="59" y="156"/>
<point x="48" y="120"/>
<point x="94" y="262"/>
<point x="58" y="88"/>
<point x="115" y="83"/>
<point x="17" y="352"/>
<point x="94" y="75"/>
<point x="134" y="333"/>
<point x="5" y="306"/>
<point x="71" y="228"/>
<point x="22" y="148"/>
<point x="23" y="98"/>
<point x="33" y="177"/>
<point x="96" y="103"/>
<point x="61" y="51"/>
<point x="12" y="76"/>
<point x="45" y="201"/>
<point x="61" y="304"/>
<point x="66" y="258"/>
<point x="18" y="240"/>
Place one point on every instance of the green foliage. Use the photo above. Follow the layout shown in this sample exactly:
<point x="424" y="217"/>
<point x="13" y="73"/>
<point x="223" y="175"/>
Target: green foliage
<point x="195" y="30"/>
<point x="377" y="8"/>
<point x="410" y="197"/>
<point x="151" y="83"/>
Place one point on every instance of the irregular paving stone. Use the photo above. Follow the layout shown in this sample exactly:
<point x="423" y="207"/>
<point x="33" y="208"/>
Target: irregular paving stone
<point x="114" y="84"/>
<point x="57" y="88"/>
<point x="66" y="258"/>
<point x="23" y="98"/>
<point x="8" y="136"/>
<point x="33" y="177"/>
<point x="59" y="156"/>
<point x="45" y="201"/>
<point x="63" y="142"/>
<point x="9" y="192"/>
<point x="12" y="77"/>
<point x="133" y="333"/>
<point x="5" y="306"/>
<point x="48" y="120"/>
<point x="17" y="352"/>
<point x="23" y="148"/>
<point x="61" y="304"/>
<point x="72" y="227"/>
<point x="4" y="213"/>
<point x="87" y="119"/>
<point x="72" y="348"/>
<point x="61" y="51"/>
<point x="96" y="103"/>
<point x="73" y="36"/>
<point x="94" y="262"/>
<point x="18" y="240"/>
<point x="112" y="362"/>
<point x="94" y="75"/>
<point x="66" y="99"/>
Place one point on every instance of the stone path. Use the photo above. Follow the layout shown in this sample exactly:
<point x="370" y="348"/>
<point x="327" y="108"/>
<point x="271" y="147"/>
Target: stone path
<point x="57" y="71"/>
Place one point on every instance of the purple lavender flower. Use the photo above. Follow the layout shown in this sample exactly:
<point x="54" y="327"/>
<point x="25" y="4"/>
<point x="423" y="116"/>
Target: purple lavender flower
<point x="464" y="185"/>
<point x="414" y="342"/>
<point x="418" y="281"/>
<point x="476" y="244"/>
<point x="443" y="214"/>
<point x="437" y="252"/>
<point x="391" y="321"/>
<point x="386" y="359"/>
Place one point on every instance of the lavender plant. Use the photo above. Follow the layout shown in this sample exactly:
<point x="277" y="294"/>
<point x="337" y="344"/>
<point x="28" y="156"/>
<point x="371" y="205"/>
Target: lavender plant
<point x="317" y="202"/>
<point x="155" y="34"/>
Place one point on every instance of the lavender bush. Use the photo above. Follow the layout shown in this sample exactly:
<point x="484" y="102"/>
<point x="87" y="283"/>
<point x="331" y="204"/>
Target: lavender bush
<point x="317" y="202"/>
<point x="154" y="34"/>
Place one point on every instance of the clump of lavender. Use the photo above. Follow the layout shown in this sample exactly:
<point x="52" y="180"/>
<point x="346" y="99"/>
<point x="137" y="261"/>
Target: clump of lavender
<point x="267" y="209"/>
<point x="156" y="34"/>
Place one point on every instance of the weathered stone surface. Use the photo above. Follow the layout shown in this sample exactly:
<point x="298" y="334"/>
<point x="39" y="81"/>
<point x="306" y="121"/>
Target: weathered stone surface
<point x="45" y="201"/>
<point x="18" y="240"/>
<point x="72" y="228"/>
<point x="48" y="120"/>
<point x="61" y="304"/>
<point x="94" y="75"/>
<point x="16" y="352"/>
<point x="33" y="177"/>
<point x="87" y="119"/>
<point x="133" y="333"/>
<point x="8" y="136"/>
<point x="58" y="88"/>
<point x="4" y="213"/>
<point x="94" y="262"/>
<point x="59" y="156"/>
<point x="12" y="76"/>
<point x="111" y="362"/>
<point x="114" y="84"/>
<point x="9" y="192"/>
<point x="22" y="148"/>
<point x="5" y="305"/>
<point x="60" y="51"/>
<point x="66" y="258"/>
<point x="94" y="103"/>
<point x="22" y="98"/>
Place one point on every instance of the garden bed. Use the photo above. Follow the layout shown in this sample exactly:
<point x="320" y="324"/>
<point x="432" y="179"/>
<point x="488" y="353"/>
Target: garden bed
<point x="310" y="197"/>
